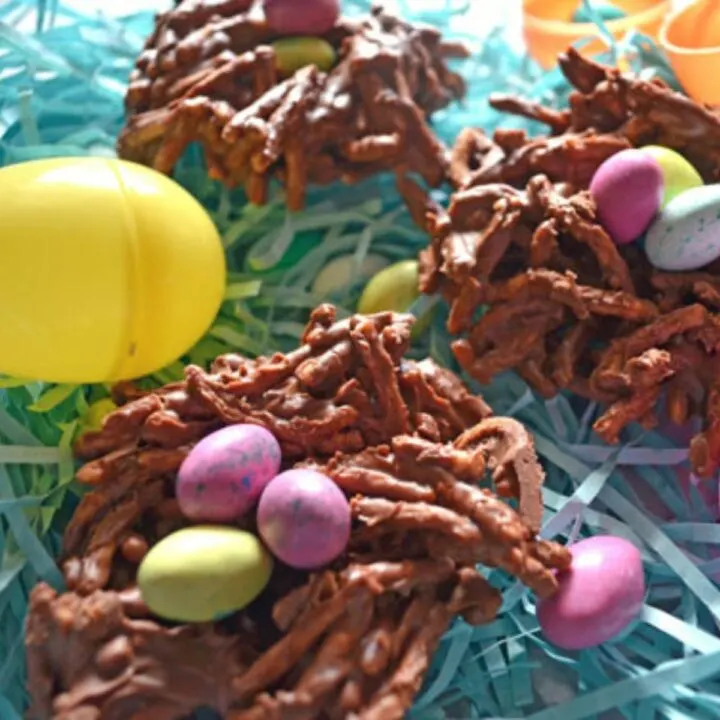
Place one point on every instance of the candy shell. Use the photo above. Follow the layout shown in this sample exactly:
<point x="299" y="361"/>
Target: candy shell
<point x="599" y="597"/>
<point x="686" y="234"/>
<point x="628" y="190"/>
<point x="394" y="288"/>
<point x="203" y="573"/>
<point x="304" y="518"/>
<point x="226" y="472"/>
<point x="341" y="272"/>
<point x="311" y="17"/>
<point x="294" y="53"/>
<point x="678" y="174"/>
<point x="97" y="412"/>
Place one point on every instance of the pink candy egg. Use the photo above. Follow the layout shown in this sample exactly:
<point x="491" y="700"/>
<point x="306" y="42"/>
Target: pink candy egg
<point x="226" y="472"/>
<point x="309" y="17"/>
<point x="628" y="191"/>
<point x="599" y="597"/>
<point x="304" y="519"/>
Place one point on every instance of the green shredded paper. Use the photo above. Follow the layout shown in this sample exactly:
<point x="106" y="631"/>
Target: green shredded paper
<point x="62" y="81"/>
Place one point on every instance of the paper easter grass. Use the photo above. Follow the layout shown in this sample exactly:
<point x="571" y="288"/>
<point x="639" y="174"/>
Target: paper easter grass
<point x="61" y="93"/>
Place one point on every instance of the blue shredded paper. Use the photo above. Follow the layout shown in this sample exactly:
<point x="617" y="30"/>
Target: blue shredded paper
<point x="62" y="81"/>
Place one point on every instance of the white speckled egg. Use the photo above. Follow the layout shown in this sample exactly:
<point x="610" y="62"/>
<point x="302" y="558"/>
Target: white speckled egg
<point x="686" y="234"/>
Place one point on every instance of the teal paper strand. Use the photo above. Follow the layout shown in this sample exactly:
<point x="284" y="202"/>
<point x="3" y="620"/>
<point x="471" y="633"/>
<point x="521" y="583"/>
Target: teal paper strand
<point x="627" y="691"/>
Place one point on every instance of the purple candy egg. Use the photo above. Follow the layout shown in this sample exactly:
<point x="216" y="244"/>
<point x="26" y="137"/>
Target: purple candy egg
<point x="304" y="518"/>
<point x="311" y="17"/>
<point x="599" y="597"/>
<point x="628" y="191"/>
<point x="226" y="472"/>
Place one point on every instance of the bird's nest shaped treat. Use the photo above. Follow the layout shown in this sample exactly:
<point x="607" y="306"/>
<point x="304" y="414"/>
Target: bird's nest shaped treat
<point x="412" y="450"/>
<point x="537" y="285"/>
<point x="210" y="73"/>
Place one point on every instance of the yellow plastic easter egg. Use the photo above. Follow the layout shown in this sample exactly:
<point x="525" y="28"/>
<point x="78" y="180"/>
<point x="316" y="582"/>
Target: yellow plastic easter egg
<point x="203" y="573"/>
<point x="394" y="288"/>
<point x="109" y="270"/>
<point x="678" y="174"/>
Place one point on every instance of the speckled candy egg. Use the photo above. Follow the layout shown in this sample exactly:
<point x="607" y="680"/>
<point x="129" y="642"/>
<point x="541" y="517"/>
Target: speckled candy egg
<point x="226" y="472"/>
<point x="203" y="573"/>
<point x="686" y="234"/>
<point x="393" y="288"/>
<point x="294" y="53"/>
<point x="599" y="597"/>
<point x="96" y="414"/>
<point x="304" y="518"/>
<point x="628" y="191"/>
<point x="678" y="174"/>
<point x="342" y="272"/>
<point x="311" y="17"/>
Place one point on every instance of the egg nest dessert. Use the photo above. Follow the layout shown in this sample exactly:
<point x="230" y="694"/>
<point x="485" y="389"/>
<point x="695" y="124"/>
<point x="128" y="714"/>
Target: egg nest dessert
<point x="209" y="74"/>
<point x="537" y="285"/>
<point x="411" y="449"/>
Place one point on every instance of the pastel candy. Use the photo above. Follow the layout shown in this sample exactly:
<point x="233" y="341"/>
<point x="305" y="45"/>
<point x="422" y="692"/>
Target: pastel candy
<point x="599" y="597"/>
<point x="304" y="518"/>
<point x="225" y="473"/>
<point x="309" y="17"/>
<point x="97" y="412"/>
<point x="203" y="573"/>
<point x="686" y="234"/>
<point x="627" y="189"/>
<point x="342" y="272"/>
<point x="394" y="288"/>
<point x="678" y="174"/>
<point x="294" y="53"/>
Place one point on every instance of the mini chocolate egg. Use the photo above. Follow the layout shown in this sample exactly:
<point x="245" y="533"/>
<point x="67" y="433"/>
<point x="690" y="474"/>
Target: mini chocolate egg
<point x="226" y="472"/>
<point x="294" y="53"/>
<point x="686" y="234"/>
<point x="304" y="518"/>
<point x="97" y="412"/>
<point x="341" y="273"/>
<point x="599" y="597"/>
<point x="627" y="189"/>
<point x="312" y="17"/>
<point x="394" y="288"/>
<point x="678" y="174"/>
<point x="203" y="573"/>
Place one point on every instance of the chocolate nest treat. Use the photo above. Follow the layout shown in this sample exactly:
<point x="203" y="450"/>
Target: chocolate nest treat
<point x="537" y="285"/>
<point x="216" y="73"/>
<point x="410" y="448"/>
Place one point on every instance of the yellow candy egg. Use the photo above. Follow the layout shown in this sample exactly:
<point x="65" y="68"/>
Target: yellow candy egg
<point x="341" y="272"/>
<point x="394" y="288"/>
<point x="109" y="270"/>
<point x="294" y="53"/>
<point x="97" y="412"/>
<point x="678" y="174"/>
<point x="203" y="573"/>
